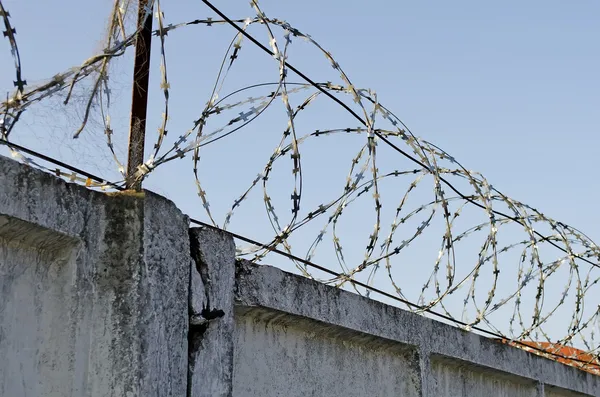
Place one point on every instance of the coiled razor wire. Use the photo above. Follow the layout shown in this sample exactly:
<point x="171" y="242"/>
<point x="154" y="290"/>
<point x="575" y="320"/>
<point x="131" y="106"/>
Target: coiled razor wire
<point x="572" y="251"/>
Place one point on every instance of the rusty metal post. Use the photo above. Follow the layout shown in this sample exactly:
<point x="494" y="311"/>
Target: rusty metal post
<point x="139" y="101"/>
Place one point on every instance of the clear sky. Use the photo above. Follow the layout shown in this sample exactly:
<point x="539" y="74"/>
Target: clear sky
<point x="510" y="89"/>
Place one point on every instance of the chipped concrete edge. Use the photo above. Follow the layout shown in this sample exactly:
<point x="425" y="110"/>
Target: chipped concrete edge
<point x="210" y="338"/>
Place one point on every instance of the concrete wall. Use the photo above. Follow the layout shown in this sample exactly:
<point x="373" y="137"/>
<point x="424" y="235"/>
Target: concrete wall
<point x="325" y="341"/>
<point x="114" y="295"/>
<point x="93" y="290"/>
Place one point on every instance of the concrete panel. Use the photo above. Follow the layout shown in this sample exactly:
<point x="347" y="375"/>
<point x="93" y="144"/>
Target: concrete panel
<point x="94" y="290"/>
<point x="453" y="379"/>
<point x="297" y="358"/>
<point x="36" y="314"/>
<point x="272" y="290"/>
<point x="558" y="392"/>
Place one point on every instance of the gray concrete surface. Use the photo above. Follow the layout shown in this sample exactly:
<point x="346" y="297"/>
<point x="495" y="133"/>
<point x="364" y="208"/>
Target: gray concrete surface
<point x="113" y="295"/>
<point x="292" y="319"/>
<point x="278" y="356"/>
<point x="211" y="334"/>
<point x="94" y="290"/>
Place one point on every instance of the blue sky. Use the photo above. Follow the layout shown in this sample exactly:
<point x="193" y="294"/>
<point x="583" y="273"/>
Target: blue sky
<point x="510" y="89"/>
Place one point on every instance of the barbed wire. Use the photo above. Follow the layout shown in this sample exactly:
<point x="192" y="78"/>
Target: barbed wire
<point x="559" y="251"/>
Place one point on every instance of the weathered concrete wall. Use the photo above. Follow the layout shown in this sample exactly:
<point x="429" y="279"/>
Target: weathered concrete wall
<point x="295" y="357"/>
<point x="114" y="295"/>
<point x="296" y="337"/>
<point x="323" y="339"/>
<point x="93" y="290"/>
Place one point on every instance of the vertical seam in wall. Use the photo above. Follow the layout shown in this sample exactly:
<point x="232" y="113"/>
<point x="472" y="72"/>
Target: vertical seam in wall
<point x="541" y="390"/>
<point x="188" y="387"/>
<point x="424" y="367"/>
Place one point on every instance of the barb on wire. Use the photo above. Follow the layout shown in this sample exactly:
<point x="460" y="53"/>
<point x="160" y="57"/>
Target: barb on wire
<point x="10" y="118"/>
<point x="500" y="266"/>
